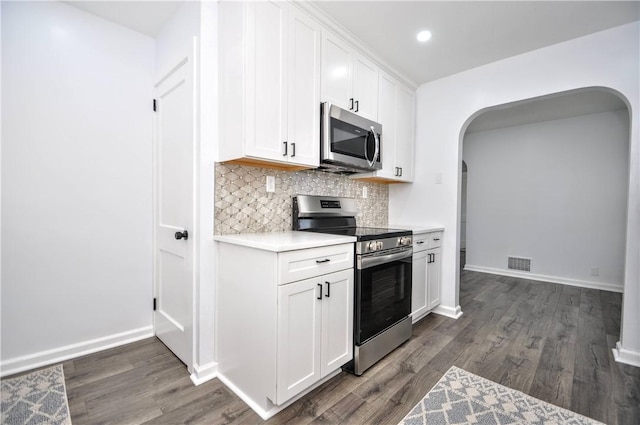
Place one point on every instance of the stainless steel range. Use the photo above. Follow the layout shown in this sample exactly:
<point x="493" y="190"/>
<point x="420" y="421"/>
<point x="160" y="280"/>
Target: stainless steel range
<point x="382" y="275"/>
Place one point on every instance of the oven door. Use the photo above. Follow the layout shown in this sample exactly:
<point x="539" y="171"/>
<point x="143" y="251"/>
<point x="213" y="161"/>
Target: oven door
<point x="383" y="293"/>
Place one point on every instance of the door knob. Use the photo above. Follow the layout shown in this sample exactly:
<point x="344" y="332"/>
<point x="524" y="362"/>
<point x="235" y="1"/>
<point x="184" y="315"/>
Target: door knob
<point x="182" y="235"/>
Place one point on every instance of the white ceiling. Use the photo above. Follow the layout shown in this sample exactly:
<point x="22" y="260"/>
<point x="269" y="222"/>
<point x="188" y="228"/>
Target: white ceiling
<point x="467" y="34"/>
<point x="146" y="17"/>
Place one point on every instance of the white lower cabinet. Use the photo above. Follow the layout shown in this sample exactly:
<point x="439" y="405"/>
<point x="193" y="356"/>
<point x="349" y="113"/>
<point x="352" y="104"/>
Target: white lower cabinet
<point x="315" y="330"/>
<point x="425" y="293"/>
<point x="284" y="320"/>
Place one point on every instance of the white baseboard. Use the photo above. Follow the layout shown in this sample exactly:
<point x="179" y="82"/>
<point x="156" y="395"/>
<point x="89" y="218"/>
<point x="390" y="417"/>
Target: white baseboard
<point x="60" y="354"/>
<point x="603" y="286"/>
<point x="266" y="414"/>
<point x="622" y="355"/>
<point x="202" y="374"/>
<point x="453" y="312"/>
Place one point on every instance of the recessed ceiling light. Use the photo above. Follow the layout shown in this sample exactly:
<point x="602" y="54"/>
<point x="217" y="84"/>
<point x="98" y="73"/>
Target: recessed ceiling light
<point x="424" y="36"/>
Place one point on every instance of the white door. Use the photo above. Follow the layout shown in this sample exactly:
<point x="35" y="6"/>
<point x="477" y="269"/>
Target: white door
<point x="299" y="311"/>
<point x="387" y="117"/>
<point x="404" y="132"/>
<point x="266" y="78"/>
<point x="433" y="278"/>
<point x="365" y="88"/>
<point x="337" y="320"/>
<point x="174" y="200"/>
<point x="419" y="302"/>
<point x="304" y="89"/>
<point x="337" y="63"/>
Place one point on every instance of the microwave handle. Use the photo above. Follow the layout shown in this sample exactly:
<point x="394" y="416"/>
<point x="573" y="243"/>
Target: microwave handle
<point x="377" y="151"/>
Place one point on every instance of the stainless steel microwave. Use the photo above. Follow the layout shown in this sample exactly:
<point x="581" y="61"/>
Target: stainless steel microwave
<point x="349" y="142"/>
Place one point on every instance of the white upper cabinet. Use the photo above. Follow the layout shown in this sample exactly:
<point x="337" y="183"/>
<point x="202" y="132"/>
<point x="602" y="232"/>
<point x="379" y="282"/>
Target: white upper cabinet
<point x="396" y="112"/>
<point x="405" y="135"/>
<point x="269" y="84"/>
<point x="349" y="80"/>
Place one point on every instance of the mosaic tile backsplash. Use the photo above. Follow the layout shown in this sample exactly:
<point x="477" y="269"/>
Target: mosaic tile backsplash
<point x="243" y="205"/>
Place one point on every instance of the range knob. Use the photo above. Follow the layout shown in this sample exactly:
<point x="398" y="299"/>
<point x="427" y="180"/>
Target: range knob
<point x="373" y="246"/>
<point x="404" y="240"/>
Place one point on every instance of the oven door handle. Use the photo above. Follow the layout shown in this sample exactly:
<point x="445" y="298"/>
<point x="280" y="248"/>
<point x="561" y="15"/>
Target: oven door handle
<point x="376" y="260"/>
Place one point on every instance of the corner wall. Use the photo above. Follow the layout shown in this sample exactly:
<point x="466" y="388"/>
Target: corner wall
<point x="76" y="184"/>
<point x="607" y="59"/>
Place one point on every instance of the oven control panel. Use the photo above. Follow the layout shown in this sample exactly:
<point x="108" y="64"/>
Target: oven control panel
<point x="377" y="246"/>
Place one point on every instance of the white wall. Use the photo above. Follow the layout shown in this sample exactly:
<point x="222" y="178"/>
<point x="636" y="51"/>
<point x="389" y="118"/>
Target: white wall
<point x="554" y="192"/>
<point x="76" y="183"/>
<point x="195" y="19"/>
<point x="444" y="108"/>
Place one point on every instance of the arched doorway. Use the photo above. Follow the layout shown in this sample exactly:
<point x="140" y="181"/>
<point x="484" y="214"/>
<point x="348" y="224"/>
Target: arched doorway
<point x="563" y="205"/>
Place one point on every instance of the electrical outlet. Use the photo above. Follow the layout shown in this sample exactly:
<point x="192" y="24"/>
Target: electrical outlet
<point x="271" y="184"/>
<point x="365" y="193"/>
<point x="595" y="271"/>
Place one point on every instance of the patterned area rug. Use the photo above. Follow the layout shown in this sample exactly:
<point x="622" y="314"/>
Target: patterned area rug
<point x="461" y="397"/>
<point x="35" y="398"/>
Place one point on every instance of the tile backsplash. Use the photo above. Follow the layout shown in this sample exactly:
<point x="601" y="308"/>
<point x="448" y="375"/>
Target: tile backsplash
<point x="243" y="205"/>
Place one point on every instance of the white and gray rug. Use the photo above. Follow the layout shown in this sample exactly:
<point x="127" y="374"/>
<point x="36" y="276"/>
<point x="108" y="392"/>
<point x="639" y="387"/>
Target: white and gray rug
<point x="461" y="397"/>
<point x="38" y="397"/>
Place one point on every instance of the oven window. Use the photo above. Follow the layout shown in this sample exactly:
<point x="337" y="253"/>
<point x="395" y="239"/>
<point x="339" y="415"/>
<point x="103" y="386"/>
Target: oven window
<point x="349" y="140"/>
<point x="383" y="297"/>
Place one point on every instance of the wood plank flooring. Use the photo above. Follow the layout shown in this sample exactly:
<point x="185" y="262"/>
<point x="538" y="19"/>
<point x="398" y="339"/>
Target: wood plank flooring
<point x="550" y="341"/>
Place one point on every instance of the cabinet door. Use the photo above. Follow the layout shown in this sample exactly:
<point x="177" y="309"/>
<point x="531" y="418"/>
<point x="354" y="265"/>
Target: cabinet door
<point x="337" y="72"/>
<point x="299" y="324"/>
<point x="304" y="89"/>
<point x="387" y="117"/>
<point x="266" y="106"/>
<point x="404" y="132"/>
<point x="337" y="320"/>
<point x="419" y="285"/>
<point x="433" y="278"/>
<point x="365" y="88"/>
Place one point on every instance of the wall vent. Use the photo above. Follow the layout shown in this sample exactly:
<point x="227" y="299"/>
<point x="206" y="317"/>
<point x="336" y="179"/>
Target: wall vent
<point x="520" y="264"/>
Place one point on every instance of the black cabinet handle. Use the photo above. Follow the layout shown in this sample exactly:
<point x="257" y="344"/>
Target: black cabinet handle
<point x="400" y="171"/>
<point x="182" y="235"/>
<point x="357" y="105"/>
<point x="328" y="289"/>
<point x="351" y="101"/>
<point x="420" y="242"/>
<point x="436" y="239"/>
<point x="293" y="150"/>
<point x="326" y="260"/>
<point x="320" y="296"/>
<point x="285" y="149"/>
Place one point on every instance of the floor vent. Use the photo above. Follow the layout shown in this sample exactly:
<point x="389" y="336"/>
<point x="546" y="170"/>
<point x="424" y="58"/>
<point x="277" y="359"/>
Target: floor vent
<point x="520" y="264"/>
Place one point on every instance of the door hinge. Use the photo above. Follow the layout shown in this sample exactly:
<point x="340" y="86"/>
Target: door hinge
<point x="155" y="105"/>
<point x="154" y="304"/>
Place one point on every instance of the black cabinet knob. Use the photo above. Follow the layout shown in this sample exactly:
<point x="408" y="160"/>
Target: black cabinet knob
<point x="182" y="235"/>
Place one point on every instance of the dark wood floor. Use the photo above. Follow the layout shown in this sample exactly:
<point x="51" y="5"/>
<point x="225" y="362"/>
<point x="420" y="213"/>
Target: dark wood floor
<point x="550" y="341"/>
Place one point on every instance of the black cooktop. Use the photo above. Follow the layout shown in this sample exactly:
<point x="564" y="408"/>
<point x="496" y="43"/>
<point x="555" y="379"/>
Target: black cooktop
<point x="364" y="233"/>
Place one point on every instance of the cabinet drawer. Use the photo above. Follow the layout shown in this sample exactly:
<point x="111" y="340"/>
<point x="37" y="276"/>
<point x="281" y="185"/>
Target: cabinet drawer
<point x="421" y="242"/>
<point x="307" y="263"/>
<point x="435" y="239"/>
<point x="426" y="240"/>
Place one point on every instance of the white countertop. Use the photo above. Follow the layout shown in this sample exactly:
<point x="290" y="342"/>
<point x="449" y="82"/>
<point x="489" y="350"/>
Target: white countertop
<point x="284" y="241"/>
<point x="417" y="229"/>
